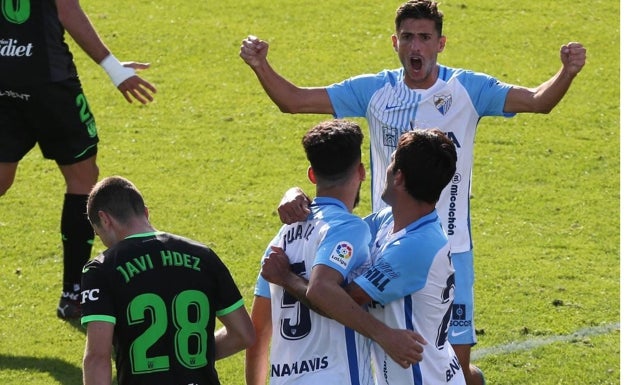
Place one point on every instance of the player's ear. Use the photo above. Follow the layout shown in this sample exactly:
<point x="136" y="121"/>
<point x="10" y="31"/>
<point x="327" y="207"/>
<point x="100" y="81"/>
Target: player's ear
<point x="311" y="175"/>
<point x="442" y="43"/>
<point x="104" y="218"/>
<point x="362" y="172"/>
<point x="398" y="178"/>
<point x="395" y="41"/>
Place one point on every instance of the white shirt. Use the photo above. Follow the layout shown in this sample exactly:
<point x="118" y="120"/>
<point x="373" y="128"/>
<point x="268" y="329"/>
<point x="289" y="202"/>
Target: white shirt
<point x="412" y="284"/>
<point x="307" y="348"/>
<point x="454" y="104"/>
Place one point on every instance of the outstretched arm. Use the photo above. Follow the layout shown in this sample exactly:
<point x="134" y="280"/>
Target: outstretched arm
<point x="78" y="25"/>
<point x="276" y="269"/>
<point x="287" y="96"/>
<point x="545" y="97"/>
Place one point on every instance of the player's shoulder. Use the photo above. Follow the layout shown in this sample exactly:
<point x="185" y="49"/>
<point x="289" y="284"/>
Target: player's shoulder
<point x="385" y="76"/>
<point x="467" y="77"/>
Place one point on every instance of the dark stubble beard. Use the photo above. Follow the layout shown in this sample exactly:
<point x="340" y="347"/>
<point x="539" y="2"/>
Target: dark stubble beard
<point x="357" y="197"/>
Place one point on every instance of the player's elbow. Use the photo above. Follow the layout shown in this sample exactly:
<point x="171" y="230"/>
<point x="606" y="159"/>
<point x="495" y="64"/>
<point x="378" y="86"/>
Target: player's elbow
<point x="289" y="108"/>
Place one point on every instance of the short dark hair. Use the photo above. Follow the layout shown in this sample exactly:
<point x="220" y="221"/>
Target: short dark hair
<point x="419" y="9"/>
<point x="118" y="197"/>
<point x="333" y="148"/>
<point x="427" y="159"/>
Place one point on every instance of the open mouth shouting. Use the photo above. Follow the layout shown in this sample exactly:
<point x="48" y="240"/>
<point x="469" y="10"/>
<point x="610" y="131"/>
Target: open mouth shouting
<point x="416" y="63"/>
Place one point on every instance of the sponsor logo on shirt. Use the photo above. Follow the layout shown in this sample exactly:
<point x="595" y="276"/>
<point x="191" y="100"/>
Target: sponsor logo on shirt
<point x="450" y="229"/>
<point x="90" y="295"/>
<point x="459" y="317"/>
<point x="13" y="95"/>
<point x="11" y="47"/>
<point x="299" y="367"/>
<point x="342" y="254"/>
<point x="380" y="275"/>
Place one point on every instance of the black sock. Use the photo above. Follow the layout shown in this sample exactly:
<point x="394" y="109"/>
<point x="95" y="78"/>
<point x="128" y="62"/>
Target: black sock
<point x="77" y="235"/>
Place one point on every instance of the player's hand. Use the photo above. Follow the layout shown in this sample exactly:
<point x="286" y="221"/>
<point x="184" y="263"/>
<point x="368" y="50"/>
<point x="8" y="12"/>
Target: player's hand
<point x="294" y="206"/>
<point x="276" y="266"/>
<point x="135" y="86"/>
<point x="405" y="347"/>
<point x="254" y="51"/>
<point x="573" y="57"/>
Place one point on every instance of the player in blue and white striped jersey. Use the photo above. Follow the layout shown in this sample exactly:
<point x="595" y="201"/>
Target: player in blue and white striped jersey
<point x="424" y="94"/>
<point x="411" y="283"/>
<point x="305" y="346"/>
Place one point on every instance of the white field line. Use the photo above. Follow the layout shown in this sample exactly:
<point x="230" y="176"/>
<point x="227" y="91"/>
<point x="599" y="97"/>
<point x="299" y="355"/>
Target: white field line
<point x="537" y="342"/>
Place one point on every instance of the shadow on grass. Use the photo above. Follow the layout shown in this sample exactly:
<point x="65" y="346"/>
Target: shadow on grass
<point x="63" y="372"/>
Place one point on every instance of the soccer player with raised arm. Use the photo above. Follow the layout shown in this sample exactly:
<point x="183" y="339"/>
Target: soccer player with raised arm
<point x="423" y="94"/>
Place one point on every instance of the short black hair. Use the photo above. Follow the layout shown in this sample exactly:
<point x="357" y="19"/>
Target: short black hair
<point x="419" y="9"/>
<point x="428" y="160"/>
<point x="333" y="148"/>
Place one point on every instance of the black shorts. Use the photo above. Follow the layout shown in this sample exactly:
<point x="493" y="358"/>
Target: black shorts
<point x="54" y="115"/>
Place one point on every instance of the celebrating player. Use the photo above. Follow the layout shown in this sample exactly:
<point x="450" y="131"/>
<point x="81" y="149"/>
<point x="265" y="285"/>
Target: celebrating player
<point x="423" y="94"/>
<point x="305" y="346"/>
<point x="411" y="282"/>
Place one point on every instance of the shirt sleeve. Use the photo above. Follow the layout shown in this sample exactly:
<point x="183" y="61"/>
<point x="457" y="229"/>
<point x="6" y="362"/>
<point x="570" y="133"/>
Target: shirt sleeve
<point x="96" y="295"/>
<point x="350" y="98"/>
<point x="487" y="93"/>
<point x="345" y="247"/>
<point x="402" y="269"/>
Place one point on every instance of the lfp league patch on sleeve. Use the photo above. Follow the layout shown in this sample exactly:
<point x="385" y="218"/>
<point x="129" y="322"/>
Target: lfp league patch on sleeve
<point x="342" y="253"/>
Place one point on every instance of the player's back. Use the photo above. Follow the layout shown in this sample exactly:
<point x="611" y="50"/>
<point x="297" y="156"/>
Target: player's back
<point x="305" y="345"/>
<point x="163" y="292"/>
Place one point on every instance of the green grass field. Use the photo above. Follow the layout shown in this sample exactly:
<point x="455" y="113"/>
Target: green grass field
<point x="213" y="156"/>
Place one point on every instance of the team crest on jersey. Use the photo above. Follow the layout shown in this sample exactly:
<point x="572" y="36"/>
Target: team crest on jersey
<point x="442" y="103"/>
<point x="342" y="254"/>
<point x="390" y="136"/>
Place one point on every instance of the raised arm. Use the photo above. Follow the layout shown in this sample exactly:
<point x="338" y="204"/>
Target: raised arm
<point x="287" y="96"/>
<point x="545" y="97"/>
<point x="294" y="206"/>
<point x="79" y="27"/>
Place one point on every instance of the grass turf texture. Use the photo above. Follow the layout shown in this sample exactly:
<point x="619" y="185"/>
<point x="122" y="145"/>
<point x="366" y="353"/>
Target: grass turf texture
<point x="213" y="155"/>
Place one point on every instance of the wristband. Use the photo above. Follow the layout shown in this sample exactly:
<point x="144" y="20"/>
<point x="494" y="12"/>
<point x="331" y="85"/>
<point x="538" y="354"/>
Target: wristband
<point x="115" y="70"/>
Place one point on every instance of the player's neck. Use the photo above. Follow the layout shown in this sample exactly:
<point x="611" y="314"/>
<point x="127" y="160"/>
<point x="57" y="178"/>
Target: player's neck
<point x="408" y="210"/>
<point x="138" y="226"/>
<point x="345" y="195"/>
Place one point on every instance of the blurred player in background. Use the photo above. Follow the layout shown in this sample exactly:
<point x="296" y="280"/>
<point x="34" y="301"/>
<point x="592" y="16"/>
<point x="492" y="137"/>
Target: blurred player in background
<point x="42" y="102"/>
